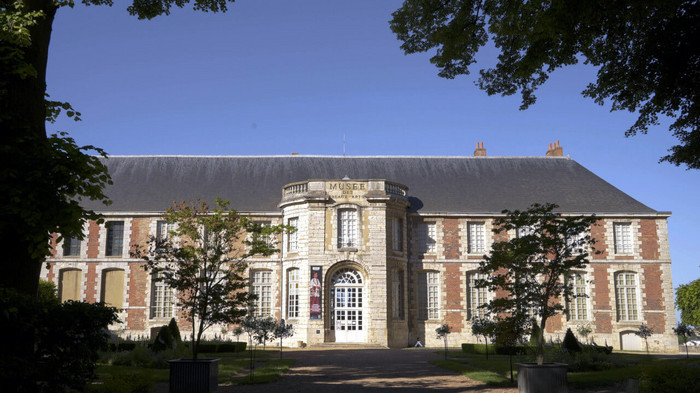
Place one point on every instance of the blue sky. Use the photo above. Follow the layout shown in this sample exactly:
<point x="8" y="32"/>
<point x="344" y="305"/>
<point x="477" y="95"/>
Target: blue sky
<point x="275" y="77"/>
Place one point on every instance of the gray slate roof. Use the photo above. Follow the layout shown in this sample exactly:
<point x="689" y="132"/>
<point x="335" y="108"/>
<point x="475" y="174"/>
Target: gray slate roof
<point x="436" y="184"/>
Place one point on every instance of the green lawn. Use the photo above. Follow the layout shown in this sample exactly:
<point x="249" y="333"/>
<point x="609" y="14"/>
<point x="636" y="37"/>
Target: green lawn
<point x="496" y="370"/>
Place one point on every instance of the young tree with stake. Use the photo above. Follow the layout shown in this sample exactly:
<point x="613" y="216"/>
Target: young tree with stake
<point x="532" y="267"/>
<point x="442" y="332"/>
<point x="204" y="261"/>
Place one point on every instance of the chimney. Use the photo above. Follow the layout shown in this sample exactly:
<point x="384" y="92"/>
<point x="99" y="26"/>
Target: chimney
<point x="555" y="150"/>
<point x="294" y="154"/>
<point x="480" y="151"/>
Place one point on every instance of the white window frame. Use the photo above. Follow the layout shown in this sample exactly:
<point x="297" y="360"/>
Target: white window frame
<point x="427" y="237"/>
<point x="292" y="237"/>
<point x="163" y="229"/>
<point x="476" y="237"/>
<point x="347" y="228"/>
<point x="626" y="296"/>
<point x="476" y="296"/>
<point x="623" y="239"/>
<point x="162" y="301"/>
<point x="261" y="286"/>
<point x="293" y="282"/>
<point x="429" y="295"/>
<point x="578" y="304"/>
<point x="118" y="245"/>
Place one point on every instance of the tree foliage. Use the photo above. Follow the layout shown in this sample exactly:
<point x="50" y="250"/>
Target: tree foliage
<point x="283" y="330"/>
<point x="442" y="332"/>
<point x="203" y="259"/>
<point x="646" y="53"/>
<point x="688" y="301"/>
<point x="483" y="327"/>
<point x="530" y="267"/>
<point x="684" y="332"/>
<point x="45" y="177"/>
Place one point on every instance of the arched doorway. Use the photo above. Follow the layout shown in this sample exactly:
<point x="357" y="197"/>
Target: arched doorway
<point x="346" y="300"/>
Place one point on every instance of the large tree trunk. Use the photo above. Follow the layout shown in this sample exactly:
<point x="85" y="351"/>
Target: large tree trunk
<point x="24" y="143"/>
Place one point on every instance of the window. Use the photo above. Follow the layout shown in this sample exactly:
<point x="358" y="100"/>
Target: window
<point x="476" y="296"/>
<point x="262" y="289"/>
<point x="578" y="307"/>
<point x="161" y="299"/>
<point x="115" y="238"/>
<point x="69" y="284"/>
<point x="268" y="239"/>
<point x="292" y="242"/>
<point x="113" y="287"/>
<point x="293" y="293"/>
<point x="163" y="229"/>
<point x="524" y="231"/>
<point x="397" y="234"/>
<point x="71" y="247"/>
<point x="476" y="233"/>
<point x="623" y="237"/>
<point x="347" y="228"/>
<point x="429" y="295"/>
<point x="397" y="306"/>
<point x="426" y="237"/>
<point x="626" y="296"/>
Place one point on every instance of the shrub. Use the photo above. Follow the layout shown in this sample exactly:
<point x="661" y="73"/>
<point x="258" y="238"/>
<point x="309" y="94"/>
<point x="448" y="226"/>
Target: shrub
<point x="127" y="383"/>
<point x="232" y="347"/>
<point x="499" y="349"/>
<point x="164" y="339"/>
<point x="121" y="346"/>
<point x="671" y="377"/>
<point x="534" y="335"/>
<point x="605" y="349"/>
<point x="570" y="342"/>
<point x="174" y="330"/>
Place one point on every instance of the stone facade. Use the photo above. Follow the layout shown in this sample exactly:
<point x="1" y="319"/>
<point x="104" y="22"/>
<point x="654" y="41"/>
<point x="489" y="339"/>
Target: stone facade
<point x="406" y="288"/>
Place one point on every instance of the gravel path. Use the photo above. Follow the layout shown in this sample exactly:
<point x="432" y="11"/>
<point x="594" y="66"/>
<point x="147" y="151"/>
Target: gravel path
<point x="367" y="370"/>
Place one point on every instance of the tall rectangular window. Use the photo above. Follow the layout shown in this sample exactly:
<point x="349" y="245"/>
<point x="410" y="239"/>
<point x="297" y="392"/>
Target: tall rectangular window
<point x="476" y="232"/>
<point x="626" y="296"/>
<point x="347" y="228"/>
<point x="293" y="293"/>
<point x="429" y="295"/>
<point x="623" y="237"/>
<point x="71" y="247"/>
<point x="397" y="293"/>
<point x="262" y="288"/>
<point x="397" y="234"/>
<point x="115" y="238"/>
<point x="476" y="296"/>
<point x="524" y="231"/>
<point x="427" y="239"/>
<point x="578" y="308"/>
<point x="163" y="229"/>
<point x="292" y="242"/>
<point x="161" y="299"/>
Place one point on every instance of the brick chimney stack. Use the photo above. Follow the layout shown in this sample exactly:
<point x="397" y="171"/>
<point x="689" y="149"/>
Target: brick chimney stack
<point x="555" y="150"/>
<point x="480" y="151"/>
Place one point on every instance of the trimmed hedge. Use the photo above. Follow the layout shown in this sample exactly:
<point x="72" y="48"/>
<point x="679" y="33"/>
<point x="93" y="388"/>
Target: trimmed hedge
<point x="123" y="346"/>
<point x="238" y="346"/>
<point x="679" y="376"/>
<point x="493" y="348"/>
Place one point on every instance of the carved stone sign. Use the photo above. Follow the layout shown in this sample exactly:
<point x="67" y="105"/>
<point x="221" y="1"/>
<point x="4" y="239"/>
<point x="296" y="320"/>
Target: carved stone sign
<point x="346" y="190"/>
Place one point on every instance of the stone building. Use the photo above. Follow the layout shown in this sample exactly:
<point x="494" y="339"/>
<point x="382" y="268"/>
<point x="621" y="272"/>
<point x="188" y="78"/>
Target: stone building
<point x="386" y="247"/>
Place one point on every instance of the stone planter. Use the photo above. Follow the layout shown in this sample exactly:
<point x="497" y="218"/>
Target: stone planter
<point x="545" y="378"/>
<point x="194" y="376"/>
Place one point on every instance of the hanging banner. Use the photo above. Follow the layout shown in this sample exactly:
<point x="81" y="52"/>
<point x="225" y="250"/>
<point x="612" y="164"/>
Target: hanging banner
<point x="315" y="292"/>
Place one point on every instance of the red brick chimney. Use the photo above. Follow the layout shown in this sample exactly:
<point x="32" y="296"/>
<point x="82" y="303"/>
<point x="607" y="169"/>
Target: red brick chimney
<point x="555" y="150"/>
<point x="480" y="151"/>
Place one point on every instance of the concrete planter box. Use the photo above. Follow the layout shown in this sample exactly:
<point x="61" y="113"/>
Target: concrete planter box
<point x="194" y="376"/>
<point x="545" y="378"/>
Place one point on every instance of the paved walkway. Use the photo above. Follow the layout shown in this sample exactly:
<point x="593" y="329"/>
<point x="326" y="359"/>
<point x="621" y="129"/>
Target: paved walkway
<point x="367" y="370"/>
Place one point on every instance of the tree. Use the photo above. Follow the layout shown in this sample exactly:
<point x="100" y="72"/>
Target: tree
<point x="483" y="327"/>
<point x="204" y="259"/>
<point x="645" y="332"/>
<point x="688" y="301"/>
<point x="683" y="332"/>
<point x="264" y="331"/>
<point x="509" y="331"/>
<point x="646" y="53"/>
<point x="282" y="331"/>
<point x="584" y="331"/>
<point x="531" y="266"/>
<point x="442" y="332"/>
<point x="45" y="177"/>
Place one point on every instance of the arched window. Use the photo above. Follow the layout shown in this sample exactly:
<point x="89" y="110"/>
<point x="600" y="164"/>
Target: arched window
<point x="69" y="284"/>
<point x="113" y="287"/>
<point x="293" y="293"/>
<point x="626" y="296"/>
